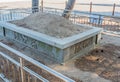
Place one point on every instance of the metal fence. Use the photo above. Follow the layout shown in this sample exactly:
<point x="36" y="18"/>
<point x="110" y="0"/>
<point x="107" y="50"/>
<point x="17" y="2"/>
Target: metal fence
<point x="13" y="14"/>
<point x="108" y="23"/>
<point x="21" y="68"/>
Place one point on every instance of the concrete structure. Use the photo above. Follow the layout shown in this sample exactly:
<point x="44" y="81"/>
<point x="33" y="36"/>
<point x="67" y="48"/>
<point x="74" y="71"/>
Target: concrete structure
<point x="60" y="50"/>
<point x="35" y="6"/>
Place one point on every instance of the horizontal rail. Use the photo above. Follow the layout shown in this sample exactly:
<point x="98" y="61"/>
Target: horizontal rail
<point x="35" y="74"/>
<point x="49" y="8"/>
<point x="87" y="18"/>
<point x="51" y="71"/>
<point x="81" y="12"/>
<point x="25" y="68"/>
<point x="3" y="78"/>
<point x="108" y="5"/>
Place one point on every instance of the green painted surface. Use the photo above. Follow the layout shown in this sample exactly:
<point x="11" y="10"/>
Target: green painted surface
<point x="1" y="31"/>
<point x="57" y="54"/>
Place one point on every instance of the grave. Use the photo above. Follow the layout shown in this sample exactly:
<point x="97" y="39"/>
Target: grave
<point x="53" y="35"/>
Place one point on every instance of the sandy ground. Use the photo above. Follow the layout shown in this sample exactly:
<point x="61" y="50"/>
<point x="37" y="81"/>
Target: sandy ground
<point x="99" y="65"/>
<point x="104" y="61"/>
<point x="108" y="38"/>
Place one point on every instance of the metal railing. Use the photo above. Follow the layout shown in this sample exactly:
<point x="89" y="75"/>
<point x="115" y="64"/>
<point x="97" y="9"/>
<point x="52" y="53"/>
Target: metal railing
<point x="19" y="71"/>
<point x="13" y="14"/>
<point x="108" y="23"/>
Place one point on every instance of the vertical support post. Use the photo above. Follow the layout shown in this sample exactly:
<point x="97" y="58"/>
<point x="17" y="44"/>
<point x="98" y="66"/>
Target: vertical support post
<point x="113" y="9"/>
<point x="99" y="20"/>
<point x="90" y="7"/>
<point x="19" y="74"/>
<point x="28" y="78"/>
<point x="13" y="73"/>
<point x="10" y="15"/>
<point x="35" y="79"/>
<point x="42" y="5"/>
<point x="4" y="67"/>
<point x="21" y="69"/>
<point x="8" y="68"/>
<point x="66" y="2"/>
<point x="0" y="16"/>
<point x="74" y="18"/>
<point x="35" y="6"/>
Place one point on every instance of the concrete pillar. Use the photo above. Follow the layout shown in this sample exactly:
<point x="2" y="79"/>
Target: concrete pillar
<point x="35" y="6"/>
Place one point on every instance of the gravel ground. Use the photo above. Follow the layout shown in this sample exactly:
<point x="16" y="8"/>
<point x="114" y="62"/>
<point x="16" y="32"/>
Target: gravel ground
<point x="104" y="61"/>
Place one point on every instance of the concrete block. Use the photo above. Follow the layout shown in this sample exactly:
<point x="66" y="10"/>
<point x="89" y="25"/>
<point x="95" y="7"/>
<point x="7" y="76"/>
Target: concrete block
<point x="60" y="50"/>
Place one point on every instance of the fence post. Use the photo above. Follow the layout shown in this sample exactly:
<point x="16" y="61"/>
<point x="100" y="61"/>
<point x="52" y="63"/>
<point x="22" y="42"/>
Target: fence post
<point x="8" y="68"/>
<point x="21" y="69"/>
<point x="10" y="15"/>
<point x="35" y="6"/>
<point x="42" y="5"/>
<point x="28" y="78"/>
<point x="99" y="20"/>
<point x="35" y="79"/>
<point x="66" y="3"/>
<point x="90" y="7"/>
<point x="113" y="9"/>
<point x="0" y="16"/>
<point x="13" y="72"/>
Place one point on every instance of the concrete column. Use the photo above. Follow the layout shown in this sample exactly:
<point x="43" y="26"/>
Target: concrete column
<point x="35" y="6"/>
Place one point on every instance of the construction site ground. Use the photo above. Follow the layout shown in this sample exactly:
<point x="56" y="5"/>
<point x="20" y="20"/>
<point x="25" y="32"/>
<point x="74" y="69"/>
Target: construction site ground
<point x="99" y="65"/>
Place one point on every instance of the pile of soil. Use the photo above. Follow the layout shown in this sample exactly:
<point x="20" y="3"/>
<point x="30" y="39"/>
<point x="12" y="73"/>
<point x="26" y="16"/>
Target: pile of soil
<point x="52" y="25"/>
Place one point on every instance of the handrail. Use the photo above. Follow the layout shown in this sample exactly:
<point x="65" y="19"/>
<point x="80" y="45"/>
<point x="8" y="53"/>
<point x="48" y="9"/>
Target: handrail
<point x="38" y="64"/>
<point x="25" y="68"/>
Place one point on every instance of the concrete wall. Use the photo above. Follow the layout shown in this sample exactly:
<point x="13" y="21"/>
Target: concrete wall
<point x="65" y="50"/>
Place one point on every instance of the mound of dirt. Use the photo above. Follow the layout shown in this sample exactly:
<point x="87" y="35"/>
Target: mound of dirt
<point x="52" y="25"/>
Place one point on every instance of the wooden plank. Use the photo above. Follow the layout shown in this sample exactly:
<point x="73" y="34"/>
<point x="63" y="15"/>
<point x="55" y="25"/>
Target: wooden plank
<point x="21" y="69"/>
<point x="28" y="78"/>
<point x="13" y="73"/>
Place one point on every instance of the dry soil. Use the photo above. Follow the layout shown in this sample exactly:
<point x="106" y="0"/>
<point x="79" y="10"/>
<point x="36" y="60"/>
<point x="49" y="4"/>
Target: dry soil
<point x="52" y="25"/>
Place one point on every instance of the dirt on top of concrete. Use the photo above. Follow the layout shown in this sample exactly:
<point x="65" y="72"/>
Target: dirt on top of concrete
<point x="52" y="25"/>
